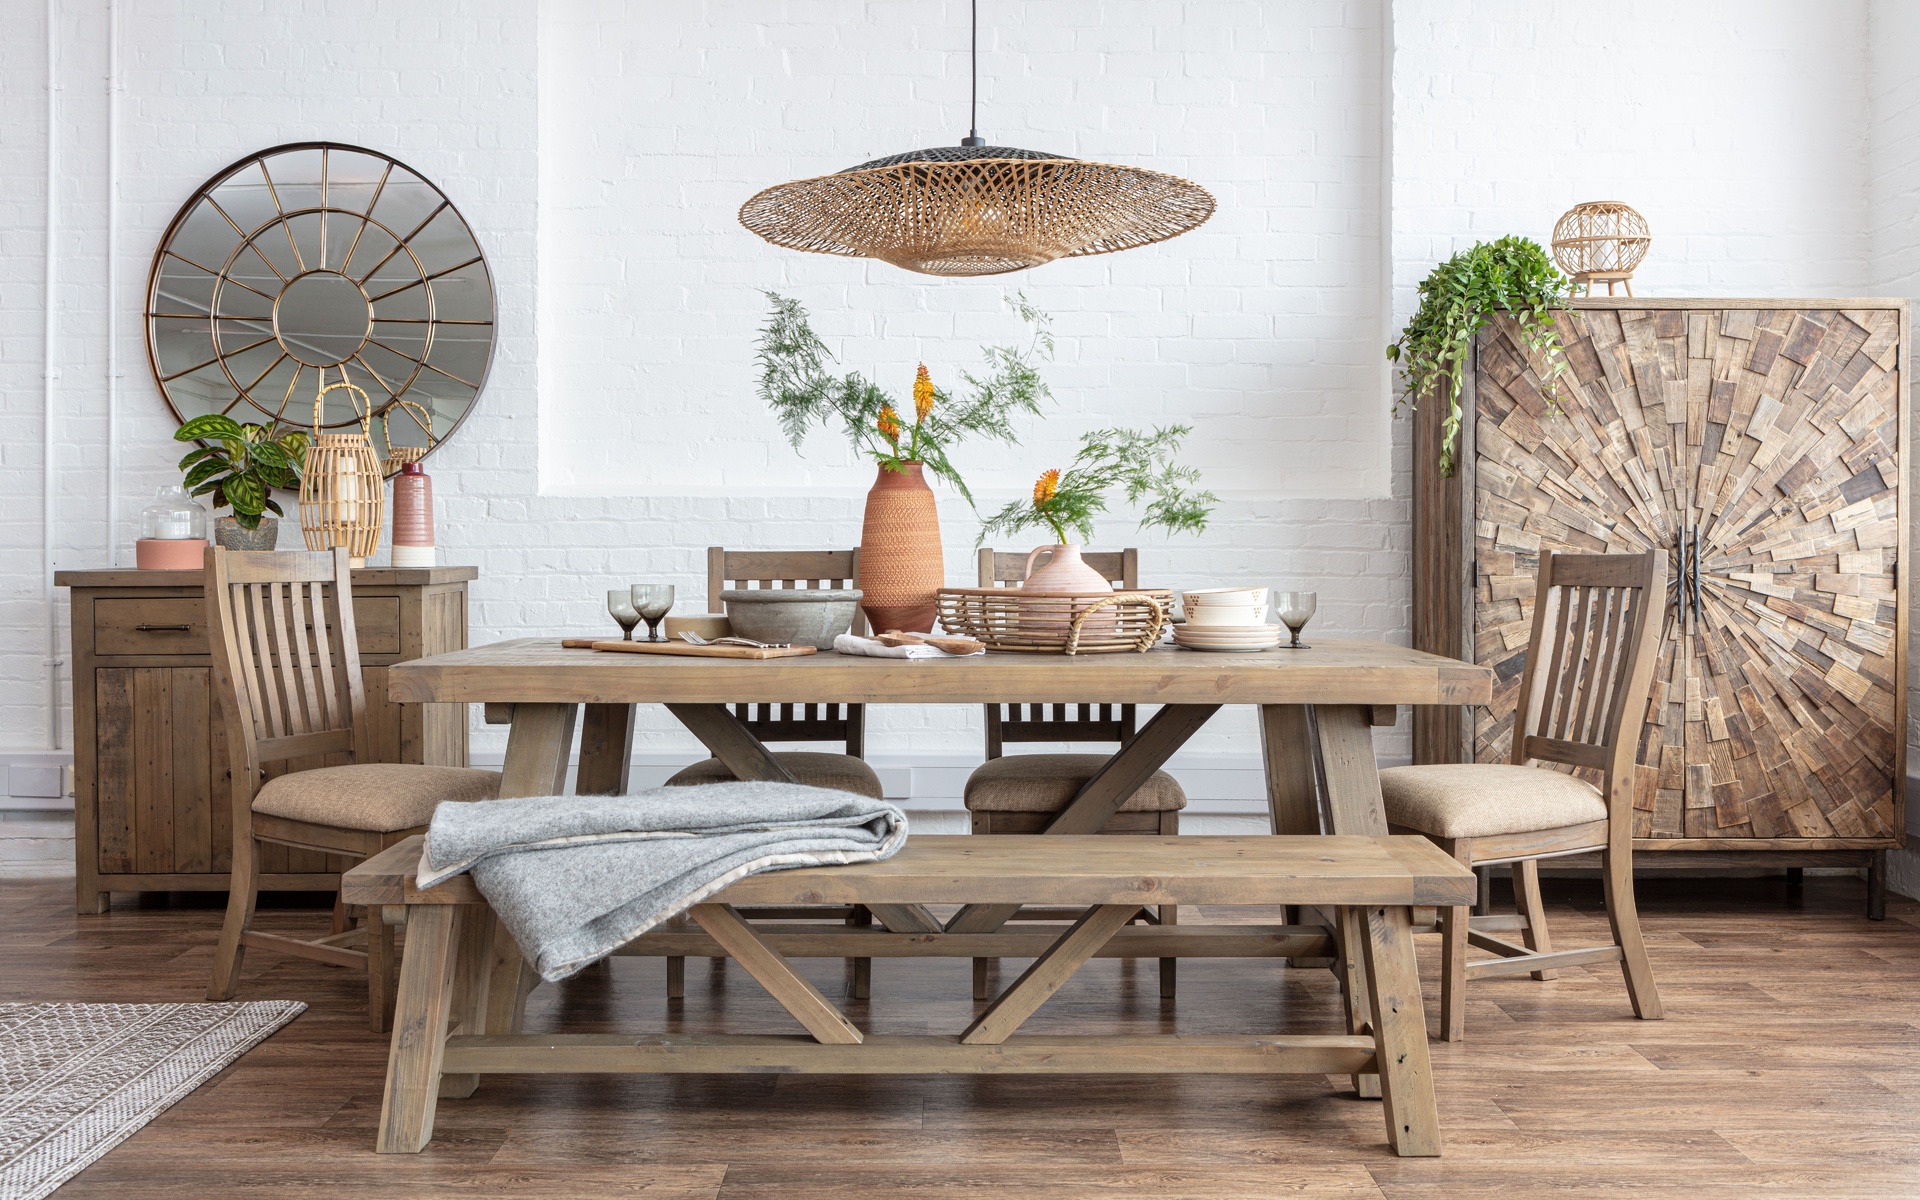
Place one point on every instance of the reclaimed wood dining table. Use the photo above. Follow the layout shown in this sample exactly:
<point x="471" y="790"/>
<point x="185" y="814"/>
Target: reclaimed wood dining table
<point x="1318" y="708"/>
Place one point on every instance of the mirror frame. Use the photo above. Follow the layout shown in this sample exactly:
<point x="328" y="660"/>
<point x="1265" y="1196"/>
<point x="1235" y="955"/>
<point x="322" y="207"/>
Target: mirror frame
<point x="291" y="412"/>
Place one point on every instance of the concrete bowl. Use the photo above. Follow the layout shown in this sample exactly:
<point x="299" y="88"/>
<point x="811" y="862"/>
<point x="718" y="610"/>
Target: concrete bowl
<point x="802" y="617"/>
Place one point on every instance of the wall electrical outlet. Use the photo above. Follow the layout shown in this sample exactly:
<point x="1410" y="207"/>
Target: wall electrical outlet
<point x="48" y="782"/>
<point x="66" y="780"/>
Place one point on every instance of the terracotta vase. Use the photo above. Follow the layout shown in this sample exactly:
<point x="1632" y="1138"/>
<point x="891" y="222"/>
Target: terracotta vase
<point x="900" y="563"/>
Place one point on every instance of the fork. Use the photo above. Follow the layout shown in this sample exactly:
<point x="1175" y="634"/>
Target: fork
<point x="694" y="639"/>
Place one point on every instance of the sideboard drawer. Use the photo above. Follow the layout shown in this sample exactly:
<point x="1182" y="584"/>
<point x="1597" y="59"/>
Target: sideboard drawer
<point x="150" y="625"/>
<point x="177" y="625"/>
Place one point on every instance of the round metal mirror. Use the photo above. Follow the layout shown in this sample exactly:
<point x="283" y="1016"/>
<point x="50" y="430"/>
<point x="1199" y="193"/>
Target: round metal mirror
<point x="318" y="263"/>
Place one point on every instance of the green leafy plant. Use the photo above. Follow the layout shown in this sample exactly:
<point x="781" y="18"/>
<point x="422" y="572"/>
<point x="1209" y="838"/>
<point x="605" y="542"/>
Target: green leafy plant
<point x="1513" y="276"/>
<point x="242" y="465"/>
<point x="1138" y="463"/>
<point x="803" y="393"/>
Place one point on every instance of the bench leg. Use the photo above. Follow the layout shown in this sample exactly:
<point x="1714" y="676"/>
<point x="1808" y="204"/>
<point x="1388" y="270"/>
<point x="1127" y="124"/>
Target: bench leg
<point x="1400" y="1032"/>
<point x="420" y="1028"/>
<point x="472" y="981"/>
<point x="510" y="982"/>
<point x="1047" y="973"/>
<point x="826" y="1023"/>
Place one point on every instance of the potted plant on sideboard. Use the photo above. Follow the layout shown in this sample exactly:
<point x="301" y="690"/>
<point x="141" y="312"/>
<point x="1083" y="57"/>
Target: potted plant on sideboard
<point x="240" y="466"/>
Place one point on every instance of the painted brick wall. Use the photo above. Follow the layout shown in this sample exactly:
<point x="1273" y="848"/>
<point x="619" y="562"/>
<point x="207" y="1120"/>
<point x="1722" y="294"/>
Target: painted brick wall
<point x="610" y="146"/>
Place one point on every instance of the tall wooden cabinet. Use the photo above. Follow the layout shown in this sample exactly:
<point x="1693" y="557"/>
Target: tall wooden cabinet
<point x="1758" y="444"/>
<point x="152" y="809"/>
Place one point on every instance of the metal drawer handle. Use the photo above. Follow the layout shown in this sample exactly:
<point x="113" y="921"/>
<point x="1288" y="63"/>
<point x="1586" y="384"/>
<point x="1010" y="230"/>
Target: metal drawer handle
<point x="163" y="628"/>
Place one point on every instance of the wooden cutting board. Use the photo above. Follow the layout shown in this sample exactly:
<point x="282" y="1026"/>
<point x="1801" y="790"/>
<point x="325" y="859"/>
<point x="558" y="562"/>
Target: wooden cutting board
<point x="690" y="650"/>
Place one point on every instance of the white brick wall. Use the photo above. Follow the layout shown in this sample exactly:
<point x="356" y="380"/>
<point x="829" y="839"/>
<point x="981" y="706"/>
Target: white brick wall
<point x="600" y="152"/>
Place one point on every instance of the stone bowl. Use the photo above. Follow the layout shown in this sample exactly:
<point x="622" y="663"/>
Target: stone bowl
<point x="803" y="617"/>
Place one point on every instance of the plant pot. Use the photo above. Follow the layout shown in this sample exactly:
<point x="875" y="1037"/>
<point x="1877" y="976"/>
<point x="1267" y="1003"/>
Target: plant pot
<point x="900" y="563"/>
<point x="229" y="534"/>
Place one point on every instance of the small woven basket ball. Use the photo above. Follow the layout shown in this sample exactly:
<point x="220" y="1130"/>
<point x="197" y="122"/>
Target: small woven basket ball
<point x="1602" y="239"/>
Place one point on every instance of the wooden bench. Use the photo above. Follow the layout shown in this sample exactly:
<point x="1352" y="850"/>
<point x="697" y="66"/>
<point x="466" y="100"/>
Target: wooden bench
<point x="449" y="1030"/>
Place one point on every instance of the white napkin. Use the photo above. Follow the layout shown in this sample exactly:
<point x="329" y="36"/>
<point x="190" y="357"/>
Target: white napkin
<point x="847" y="643"/>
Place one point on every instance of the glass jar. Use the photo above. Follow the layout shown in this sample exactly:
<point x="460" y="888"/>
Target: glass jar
<point x="173" y="516"/>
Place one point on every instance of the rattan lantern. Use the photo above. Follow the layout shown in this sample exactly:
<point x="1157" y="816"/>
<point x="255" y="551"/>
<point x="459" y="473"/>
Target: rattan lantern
<point x="975" y="209"/>
<point x="342" y="494"/>
<point x="1601" y="241"/>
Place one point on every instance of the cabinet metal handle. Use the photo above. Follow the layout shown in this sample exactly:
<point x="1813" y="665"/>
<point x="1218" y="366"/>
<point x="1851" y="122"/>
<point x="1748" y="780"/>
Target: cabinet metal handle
<point x="163" y="628"/>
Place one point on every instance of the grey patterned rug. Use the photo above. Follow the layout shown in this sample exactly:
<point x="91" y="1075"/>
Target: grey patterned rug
<point x="76" y="1080"/>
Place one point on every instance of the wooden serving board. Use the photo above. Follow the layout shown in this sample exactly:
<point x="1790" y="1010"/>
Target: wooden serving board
<point x="692" y="651"/>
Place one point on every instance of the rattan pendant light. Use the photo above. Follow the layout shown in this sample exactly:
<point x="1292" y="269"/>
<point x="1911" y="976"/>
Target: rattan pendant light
<point x="975" y="209"/>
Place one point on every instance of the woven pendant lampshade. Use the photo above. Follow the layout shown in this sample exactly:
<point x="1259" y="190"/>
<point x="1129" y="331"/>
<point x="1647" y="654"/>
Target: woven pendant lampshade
<point x="975" y="209"/>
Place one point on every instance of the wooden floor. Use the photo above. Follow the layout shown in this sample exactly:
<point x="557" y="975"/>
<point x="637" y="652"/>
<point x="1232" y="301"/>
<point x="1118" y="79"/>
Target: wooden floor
<point x="1789" y="1066"/>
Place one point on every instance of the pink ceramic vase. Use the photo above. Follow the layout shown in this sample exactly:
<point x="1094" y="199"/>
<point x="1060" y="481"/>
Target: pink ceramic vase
<point x="1063" y="571"/>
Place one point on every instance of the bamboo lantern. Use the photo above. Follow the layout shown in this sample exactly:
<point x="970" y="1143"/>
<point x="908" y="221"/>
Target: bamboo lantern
<point x="1601" y="241"/>
<point x="342" y="493"/>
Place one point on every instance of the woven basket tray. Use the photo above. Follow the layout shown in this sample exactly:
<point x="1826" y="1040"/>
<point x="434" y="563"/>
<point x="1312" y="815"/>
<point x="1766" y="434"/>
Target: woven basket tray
<point x="1056" y="622"/>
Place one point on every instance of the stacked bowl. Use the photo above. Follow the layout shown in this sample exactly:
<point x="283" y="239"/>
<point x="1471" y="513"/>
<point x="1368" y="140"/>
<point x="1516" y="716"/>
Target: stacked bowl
<point x="1226" y="619"/>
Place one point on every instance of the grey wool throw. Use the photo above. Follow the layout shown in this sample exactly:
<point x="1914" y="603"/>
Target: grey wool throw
<point x="576" y="877"/>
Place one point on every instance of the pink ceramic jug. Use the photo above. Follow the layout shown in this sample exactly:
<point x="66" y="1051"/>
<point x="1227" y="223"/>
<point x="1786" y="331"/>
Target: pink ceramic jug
<point x="1064" y="571"/>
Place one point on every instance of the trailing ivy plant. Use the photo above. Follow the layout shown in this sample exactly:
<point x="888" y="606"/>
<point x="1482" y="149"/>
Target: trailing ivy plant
<point x="796" y="383"/>
<point x="1513" y="276"/>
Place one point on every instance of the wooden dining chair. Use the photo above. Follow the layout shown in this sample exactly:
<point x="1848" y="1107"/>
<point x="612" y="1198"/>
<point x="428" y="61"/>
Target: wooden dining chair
<point x="833" y="570"/>
<point x="1021" y="793"/>
<point x="1584" y="694"/>
<point x="286" y="676"/>
<point x="842" y="723"/>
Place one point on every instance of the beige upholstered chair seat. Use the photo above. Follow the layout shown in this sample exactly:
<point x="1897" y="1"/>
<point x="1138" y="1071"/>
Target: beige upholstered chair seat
<point x="376" y="797"/>
<point x="1049" y="782"/>
<point x="1469" y="800"/>
<point x="811" y="767"/>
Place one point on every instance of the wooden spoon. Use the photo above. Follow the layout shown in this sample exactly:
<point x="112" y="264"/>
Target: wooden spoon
<point x="952" y="645"/>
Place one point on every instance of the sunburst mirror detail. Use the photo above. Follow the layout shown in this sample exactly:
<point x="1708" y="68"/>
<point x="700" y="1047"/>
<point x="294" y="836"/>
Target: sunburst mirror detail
<point x="317" y="263"/>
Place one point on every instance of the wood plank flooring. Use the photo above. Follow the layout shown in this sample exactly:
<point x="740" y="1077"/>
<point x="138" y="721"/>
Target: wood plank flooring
<point x="1788" y="1066"/>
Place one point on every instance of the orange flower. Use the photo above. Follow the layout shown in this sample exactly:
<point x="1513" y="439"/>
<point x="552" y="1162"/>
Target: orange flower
<point x="889" y="423"/>
<point x="1046" y="486"/>
<point x="922" y="394"/>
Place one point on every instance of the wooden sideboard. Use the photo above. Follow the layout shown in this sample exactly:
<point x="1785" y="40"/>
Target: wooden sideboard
<point x="1758" y="445"/>
<point x="152" y="809"/>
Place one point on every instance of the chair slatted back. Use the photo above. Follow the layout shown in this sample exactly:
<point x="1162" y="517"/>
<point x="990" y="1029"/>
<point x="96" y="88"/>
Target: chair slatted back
<point x="831" y="570"/>
<point x="1058" y="722"/>
<point x="1596" y="628"/>
<point x="286" y="657"/>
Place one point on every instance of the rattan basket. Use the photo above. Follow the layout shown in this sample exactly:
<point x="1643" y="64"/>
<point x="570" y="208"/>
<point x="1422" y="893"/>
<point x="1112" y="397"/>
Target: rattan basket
<point x="1056" y="622"/>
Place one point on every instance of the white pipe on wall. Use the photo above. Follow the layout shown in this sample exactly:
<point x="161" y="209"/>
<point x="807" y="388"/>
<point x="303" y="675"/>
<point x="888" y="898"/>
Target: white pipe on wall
<point x="46" y="403"/>
<point x="113" y="283"/>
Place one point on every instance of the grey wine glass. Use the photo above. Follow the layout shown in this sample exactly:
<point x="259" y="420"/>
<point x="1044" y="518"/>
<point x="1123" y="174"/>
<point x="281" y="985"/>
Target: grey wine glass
<point x="1295" y="609"/>
<point x="620" y="607"/>
<point x="653" y="601"/>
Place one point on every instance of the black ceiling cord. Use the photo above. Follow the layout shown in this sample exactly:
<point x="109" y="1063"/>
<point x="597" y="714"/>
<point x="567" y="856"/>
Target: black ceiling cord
<point x="973" y="137"/>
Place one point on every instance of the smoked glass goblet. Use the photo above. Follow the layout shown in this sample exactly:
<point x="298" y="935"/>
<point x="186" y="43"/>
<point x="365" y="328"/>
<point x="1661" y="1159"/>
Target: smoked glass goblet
<point x="1295" y="609"/>
<point x="653" y="601"/>
<point x="620" y="607"/>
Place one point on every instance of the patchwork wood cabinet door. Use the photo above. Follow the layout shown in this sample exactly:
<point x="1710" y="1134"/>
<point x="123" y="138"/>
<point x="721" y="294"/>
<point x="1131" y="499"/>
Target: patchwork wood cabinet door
<point x="1758" y="444"/>
<point x="152" y="806"/>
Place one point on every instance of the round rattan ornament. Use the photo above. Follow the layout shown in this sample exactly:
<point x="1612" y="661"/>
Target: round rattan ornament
<point x="975" y="209"/>
<point x="1601" y="241"/>
<point x="342" y="492"/>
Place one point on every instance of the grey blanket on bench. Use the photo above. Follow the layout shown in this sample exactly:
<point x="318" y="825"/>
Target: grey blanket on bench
<point x="576" y="877"/>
